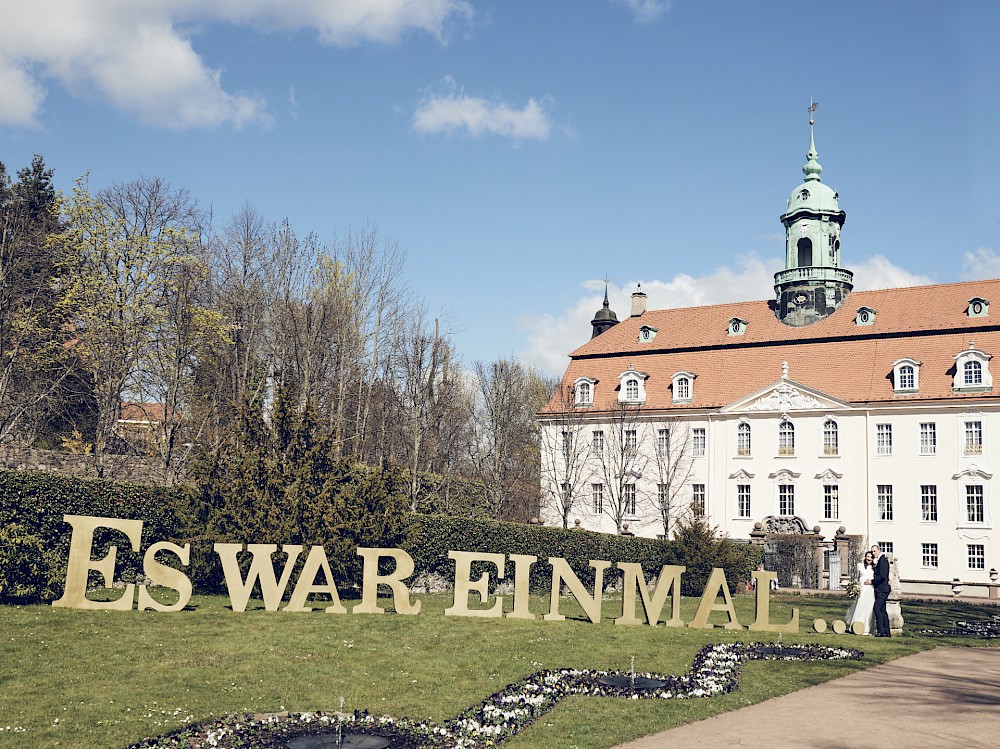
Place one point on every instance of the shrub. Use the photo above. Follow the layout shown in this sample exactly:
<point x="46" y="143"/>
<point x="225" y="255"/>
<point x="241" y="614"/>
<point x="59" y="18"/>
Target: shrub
<point x="698" y="547"/>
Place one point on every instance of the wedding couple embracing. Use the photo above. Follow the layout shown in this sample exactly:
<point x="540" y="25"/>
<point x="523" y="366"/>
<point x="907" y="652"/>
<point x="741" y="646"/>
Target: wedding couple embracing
<point x="869" y="608"/>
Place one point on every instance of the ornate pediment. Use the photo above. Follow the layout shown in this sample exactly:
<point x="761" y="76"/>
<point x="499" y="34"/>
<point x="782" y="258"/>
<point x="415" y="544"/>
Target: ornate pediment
<point x="829" y="476"/>
<point x="741" y="475"/>
<point x="784" y="396"/>
<point x="784" y="525"/>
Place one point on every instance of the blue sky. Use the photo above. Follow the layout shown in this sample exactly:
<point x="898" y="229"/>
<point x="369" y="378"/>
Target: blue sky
<point x="520" y="151"/>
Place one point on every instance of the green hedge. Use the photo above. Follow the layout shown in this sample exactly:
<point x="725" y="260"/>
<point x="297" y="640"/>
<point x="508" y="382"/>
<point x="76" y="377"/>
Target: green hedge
<point x="34" y="538"/>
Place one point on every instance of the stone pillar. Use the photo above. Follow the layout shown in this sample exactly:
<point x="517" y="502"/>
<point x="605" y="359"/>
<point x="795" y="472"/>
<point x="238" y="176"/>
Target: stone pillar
<point x="819" y="546"/>
<point x="757" y="535"/>
<point x="842" y="545"/>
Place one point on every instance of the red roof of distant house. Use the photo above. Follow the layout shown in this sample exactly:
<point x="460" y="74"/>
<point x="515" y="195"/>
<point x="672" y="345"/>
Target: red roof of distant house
<point x="144" y="412"/>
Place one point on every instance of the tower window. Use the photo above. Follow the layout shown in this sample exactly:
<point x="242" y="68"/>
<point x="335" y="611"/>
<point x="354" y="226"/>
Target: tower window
<point x="805" y="247"/>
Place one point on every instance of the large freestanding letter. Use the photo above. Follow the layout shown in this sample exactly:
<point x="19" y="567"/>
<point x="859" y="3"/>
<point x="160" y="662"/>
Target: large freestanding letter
<point x="762" y="583"/>
<point x="670" y="577"/>
<point x="591" y="605"/>
<point x="166" y="576"/>
<point x="716" y="584"/>
<point x="464" y="584"/>
<point x="80" y="563"/>
<point x="372" y="579"/>
<point x="261" y="568"/>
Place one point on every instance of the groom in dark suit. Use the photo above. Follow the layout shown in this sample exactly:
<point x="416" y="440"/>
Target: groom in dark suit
<point x="881" y="585"/>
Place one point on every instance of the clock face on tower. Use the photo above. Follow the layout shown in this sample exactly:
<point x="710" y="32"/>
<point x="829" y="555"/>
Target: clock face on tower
<point x="803" y="227"/>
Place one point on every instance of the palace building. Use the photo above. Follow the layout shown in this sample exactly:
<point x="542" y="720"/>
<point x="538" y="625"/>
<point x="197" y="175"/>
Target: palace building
<point x="824" y="412"/>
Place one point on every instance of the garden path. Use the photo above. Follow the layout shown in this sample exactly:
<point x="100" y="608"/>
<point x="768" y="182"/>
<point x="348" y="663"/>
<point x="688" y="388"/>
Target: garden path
<point x="942" y="698"/>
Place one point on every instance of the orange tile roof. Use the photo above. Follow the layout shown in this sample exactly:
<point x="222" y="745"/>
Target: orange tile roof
<point x="835" y="356"/>
<point x="143" y="412"/>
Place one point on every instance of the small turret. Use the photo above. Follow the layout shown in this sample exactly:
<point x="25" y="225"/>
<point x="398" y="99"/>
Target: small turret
<point x="605" y="319"/>
<point x="813" y="285"/>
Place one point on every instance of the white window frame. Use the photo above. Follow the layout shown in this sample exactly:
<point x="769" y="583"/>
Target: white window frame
<point x="597" y="499"/>
<point x="786" y="500"/>
<point x="928" y="438"/>
<point x="744" y="501"/>
<point x="744" y="439"/>
<point x="630" y="501"/>
<point x="663" y="442"/>
<point x="699" y="500"/>
<point x="975" y="504"/>
<point x="973" y="442"/>
<point x="930" y="558"/>
<point x="583" y="391"/>
<point x="928" y="503"/>
<point x="786" y="438"/>
<point x="884" y="511"/>
<point x="976" y="556"/>
<point x="966" y="378"/>
<point x="597" y="442"/>
<point x="831" y="438"/>
<point x="885" y="547"/>
<point x="831" y="501"/>
<point x="900" y="375"/>
<point x="883" y="440"/>
<point x="682" y="387"/>
<point x="632" y="440"/>
<point x="632" y="386"/>
<point x="699" y="434"/>
<point x="966" y="479"/>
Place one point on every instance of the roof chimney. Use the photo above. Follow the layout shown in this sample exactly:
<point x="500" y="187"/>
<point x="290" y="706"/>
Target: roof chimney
<point x="638" y="301"/>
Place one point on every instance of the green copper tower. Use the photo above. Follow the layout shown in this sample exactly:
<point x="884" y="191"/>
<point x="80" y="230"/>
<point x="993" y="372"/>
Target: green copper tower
<point x="812" y="285"/>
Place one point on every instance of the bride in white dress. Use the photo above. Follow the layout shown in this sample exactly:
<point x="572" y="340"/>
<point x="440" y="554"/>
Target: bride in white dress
<point x="862" y="609"/>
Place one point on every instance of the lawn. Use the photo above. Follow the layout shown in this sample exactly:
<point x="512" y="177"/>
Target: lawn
<point x="103" y="679"/>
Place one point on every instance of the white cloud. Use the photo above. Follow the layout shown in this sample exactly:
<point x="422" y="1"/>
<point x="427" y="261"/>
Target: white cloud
<point x="983" y="263"/>
<point x="451" y="111"/>
<point x="551" y="337"/>
<point x="138" y="56"/>
<point x="878" y="273"/>
<point x="646" y="11"/>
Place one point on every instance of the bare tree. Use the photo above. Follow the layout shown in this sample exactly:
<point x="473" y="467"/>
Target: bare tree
<point x="672" y="458"/>
<point x="621" y="463"/>
<point x="503" y="450"/>
<point x="566" y="445"/>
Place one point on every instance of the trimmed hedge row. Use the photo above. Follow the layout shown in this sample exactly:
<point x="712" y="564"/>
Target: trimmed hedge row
<point x="34" y="539"/>
<point x="435" y="535"/>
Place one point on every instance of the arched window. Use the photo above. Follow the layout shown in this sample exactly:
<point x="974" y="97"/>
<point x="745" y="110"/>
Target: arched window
<point x="805" y="247"/>
<point x="906" y="378"/>
<point x="831" y="438"/>
<point x="973" y="373"/>
<point x="743" y="439"/>
<point x="583" y="393"/>
<point x="632" y="389"/>
<point x="786" y="438"/>
<point x="683" y="388"/>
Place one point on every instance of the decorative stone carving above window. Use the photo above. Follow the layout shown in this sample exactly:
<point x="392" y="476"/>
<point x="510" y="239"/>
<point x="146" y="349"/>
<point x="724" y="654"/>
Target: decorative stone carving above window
<point x="865" y="316"/>
<point x="784" y="397"/>
<point x="978" y="307"/>
<point x="793" y="525"/>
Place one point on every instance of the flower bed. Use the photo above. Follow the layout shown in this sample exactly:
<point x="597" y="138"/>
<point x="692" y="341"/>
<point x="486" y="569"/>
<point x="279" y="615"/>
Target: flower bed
<point x="715" y="670"/>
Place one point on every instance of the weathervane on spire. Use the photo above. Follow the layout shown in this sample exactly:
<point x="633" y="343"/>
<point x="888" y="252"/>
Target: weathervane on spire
<point x="812" y="108"/>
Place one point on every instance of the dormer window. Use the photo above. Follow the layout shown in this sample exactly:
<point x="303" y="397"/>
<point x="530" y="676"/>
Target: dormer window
<point x="584" y="391"/>
<point x="632" y="387"/>
<point x="865" y="316"/>
<point x="737" y="326"/>
<point x="647" y="333"/>
<point x="905" y="375"/>
<point x="683" y="387"/>
<point x="978" y="307"/>
<point x="972" y="371"/>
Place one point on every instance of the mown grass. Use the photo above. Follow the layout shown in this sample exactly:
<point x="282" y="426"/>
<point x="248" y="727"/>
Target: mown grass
<point x="99" y="679"/>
